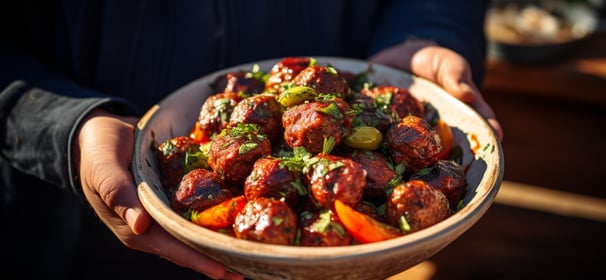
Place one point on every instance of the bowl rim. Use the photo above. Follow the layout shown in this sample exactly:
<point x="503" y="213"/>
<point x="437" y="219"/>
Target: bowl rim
<point x="452" y="226"/>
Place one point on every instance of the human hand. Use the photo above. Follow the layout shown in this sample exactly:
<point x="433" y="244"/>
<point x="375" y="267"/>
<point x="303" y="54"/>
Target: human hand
<point x="102" y="153"/>
<point x="442" y="66"/>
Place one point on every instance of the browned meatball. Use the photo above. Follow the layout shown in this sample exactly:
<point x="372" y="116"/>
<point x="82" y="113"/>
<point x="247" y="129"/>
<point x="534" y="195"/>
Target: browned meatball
<point x="368" y="113"/>
<point x="414" y="142"/>
<point x="198" y="190"/>
<point x="324" y="79"/>
<point x="272" y="179"/>
<point x="233" y="153"/>
<point x="177" y="156"/>
<point x="351" y="79"/>
<point x="214" y="115"/>
<point x="379" y="174"/>
<point x="267" y="220"/>
<point x="309" y="124"/>
<point x="261" y="109"/>
<point x="320" y="228"/>
<point x="395" y="99"/>
<point x="285" y="71"/>
<point x="333" y="177"/>
<point x="237" y="82"/>
<point x="415" y="205"/>
<point x="446" y="176"/>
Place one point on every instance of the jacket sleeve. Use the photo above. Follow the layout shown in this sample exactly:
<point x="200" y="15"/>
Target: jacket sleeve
<point x="457" y="25"/>
<point x="40" y="111"/>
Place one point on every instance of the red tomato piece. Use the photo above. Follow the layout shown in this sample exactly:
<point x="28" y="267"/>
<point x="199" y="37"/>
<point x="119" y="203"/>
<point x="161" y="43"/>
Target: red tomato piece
<point x="198" y="135"/>
<point x="362" y="227"/>
<point x="220" y="215"/>
<point x="447" y="137"/>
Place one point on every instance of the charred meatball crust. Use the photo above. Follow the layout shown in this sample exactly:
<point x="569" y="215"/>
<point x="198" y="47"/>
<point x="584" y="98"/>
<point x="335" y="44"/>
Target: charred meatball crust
<point x="414" y="142"/>
<point x="324" y="79"/>
<point x="309" y="124"/>
<point x="215" y="113"/>
<point x="285" y="71"/>
<point x="233" y="153"/>
<point x="417" y="205"/>
<point x="446" y="176"/>
<point x="272" y="179"/>
<point x="333" y="177"/>
<point x="261" y="109"/>
<point x="198" y="190"/>
<point x="267" y="220"/>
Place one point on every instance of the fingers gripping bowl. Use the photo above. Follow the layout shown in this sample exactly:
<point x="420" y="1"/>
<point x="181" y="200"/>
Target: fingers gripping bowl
<point x="481" y="152"/>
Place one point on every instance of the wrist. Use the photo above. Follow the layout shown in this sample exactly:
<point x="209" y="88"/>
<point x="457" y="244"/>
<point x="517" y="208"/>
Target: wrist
<point x="77" y="137"/>
<point x="401" y="55"/>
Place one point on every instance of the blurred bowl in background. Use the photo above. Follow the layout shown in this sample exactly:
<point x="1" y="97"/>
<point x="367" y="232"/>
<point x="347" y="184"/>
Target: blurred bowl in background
<point x="537" y="31"/>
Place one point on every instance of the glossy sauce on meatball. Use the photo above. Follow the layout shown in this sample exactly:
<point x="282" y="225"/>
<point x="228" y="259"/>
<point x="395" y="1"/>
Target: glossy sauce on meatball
<point x="368" y="113"/>
<point x="272" y="179"/>
<point x="446" y="176"/>
<point x="260" y="109"/>
<point x="379" y="174"/>
<point x="198" y="190"/>
<point x="177" y="156"/>
<point x="324" y="79"/>
<point x="333" y="177"/>
<point x="322" y="228"/>
<point x="309" y="124"/>
<point x="414" y="142"/>
<point x="233" y="153"/>
<point x="285" y="71"/>
<point x="416" y="205"/>
<point x="214" y="115"/>
<point x="267" y="220"/>
<point x="395" y="100"/>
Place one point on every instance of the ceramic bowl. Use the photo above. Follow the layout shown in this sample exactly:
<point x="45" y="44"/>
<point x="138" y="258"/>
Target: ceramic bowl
<point x="175" y="116"/>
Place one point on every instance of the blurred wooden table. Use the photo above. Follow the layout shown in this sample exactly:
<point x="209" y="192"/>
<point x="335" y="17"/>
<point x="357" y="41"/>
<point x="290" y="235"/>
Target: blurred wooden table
<point x="579" y="76"/>
<point x="553" y="115"/>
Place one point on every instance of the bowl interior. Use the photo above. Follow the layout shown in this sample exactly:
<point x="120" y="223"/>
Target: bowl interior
<point x="176" y="114"/>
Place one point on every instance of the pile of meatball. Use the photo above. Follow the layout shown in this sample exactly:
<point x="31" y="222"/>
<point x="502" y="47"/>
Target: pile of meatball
<point x="272" y="151"/>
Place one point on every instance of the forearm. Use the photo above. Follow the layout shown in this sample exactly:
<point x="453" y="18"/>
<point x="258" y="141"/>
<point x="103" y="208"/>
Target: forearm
<point x="40" y="110"/>
<point x="38" y="128"/>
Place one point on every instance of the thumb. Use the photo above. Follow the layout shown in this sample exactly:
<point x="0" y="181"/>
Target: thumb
<point x="132" y="212"/>
<point x="121" y="201"/>
<point x="127" y="204"/>
<point x="105" y="150"/>
<point x="136" y="217"/>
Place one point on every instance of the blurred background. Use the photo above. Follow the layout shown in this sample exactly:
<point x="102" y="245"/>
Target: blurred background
<point x="546" y="80"/>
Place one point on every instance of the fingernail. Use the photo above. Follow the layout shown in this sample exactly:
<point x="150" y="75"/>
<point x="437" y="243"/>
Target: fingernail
<point x="131" y="217"/>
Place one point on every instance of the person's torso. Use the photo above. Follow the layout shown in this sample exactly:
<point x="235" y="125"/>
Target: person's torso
<point x="143" y="50"/>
